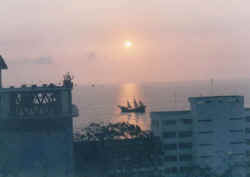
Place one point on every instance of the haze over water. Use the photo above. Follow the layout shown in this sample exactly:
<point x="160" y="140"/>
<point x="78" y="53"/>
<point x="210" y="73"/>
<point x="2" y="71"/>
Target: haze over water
<point x="99" y="103"/>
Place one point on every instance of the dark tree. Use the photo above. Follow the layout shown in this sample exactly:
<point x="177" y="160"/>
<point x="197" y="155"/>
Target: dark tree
<point x="117" y="149"/>
<point x="112" y="131"/>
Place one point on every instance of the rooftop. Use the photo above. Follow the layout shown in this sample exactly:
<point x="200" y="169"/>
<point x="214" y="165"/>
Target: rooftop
<point x="162" y="113"/>
<point x="219" y="99"/>
<point x="215" y="97"/>
<point x="25" y="88"/>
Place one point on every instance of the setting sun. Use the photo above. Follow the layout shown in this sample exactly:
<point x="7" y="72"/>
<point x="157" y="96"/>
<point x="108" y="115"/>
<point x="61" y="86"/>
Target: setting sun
<point x="128" y="44"/>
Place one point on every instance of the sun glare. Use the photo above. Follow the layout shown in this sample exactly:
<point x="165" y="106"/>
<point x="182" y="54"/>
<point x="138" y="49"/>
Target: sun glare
<point x="128" y="44"/>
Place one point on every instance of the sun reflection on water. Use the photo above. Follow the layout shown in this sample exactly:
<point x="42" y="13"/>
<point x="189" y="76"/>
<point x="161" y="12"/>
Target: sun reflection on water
<point x="129" y="92"/>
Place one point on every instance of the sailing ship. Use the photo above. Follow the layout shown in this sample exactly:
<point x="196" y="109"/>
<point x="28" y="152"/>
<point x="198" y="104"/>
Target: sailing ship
<point x="138" y="107"/>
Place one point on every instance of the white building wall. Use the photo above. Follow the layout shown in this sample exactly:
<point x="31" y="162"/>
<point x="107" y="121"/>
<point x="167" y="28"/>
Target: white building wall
<point x="217" y="130"/>
<point x="175" y="130"/>
<point x="247" y="134"/>
<point x="217" y="133"/>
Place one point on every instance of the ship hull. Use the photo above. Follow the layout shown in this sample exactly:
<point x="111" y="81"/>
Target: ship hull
<point x="140" y="109"/>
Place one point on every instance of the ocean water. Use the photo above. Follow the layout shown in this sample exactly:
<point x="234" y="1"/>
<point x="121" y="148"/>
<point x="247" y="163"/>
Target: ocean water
<point x="99" y="103"/>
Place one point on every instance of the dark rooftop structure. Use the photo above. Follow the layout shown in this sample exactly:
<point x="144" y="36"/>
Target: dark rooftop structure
<point x="3" y="65"/>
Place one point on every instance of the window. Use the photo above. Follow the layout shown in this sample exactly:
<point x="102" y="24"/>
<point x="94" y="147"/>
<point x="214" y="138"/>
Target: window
<point x="169" y="134"/>
<point x="184" y="134"/>
<point x="171" y="158"/>
<point x="247" y="130"/>
<point x="248" y="153"/>
<point x="170" y="146"/>
<point x="235" y="118"/>
<point x="205" y="144"/>
<point x="171" y="170"/>
<point x="186" y="157"/>
<point x="206" y="132"/>
<point x="238" y="154"/>
<point x="205" y="120"/>
<point x="205" y="156"/>
<point x="174" y="170"/>
<point x="248" y="141"/>
<point x="248" y="118"/>
<point x="155" y="123"/>
<point x="185" y="169"/>
<point x="233" y="100"/>
<point x="187" y="121"/>
<point x="168" y="122"/>
<point x="237" y="142"/>
<point x="185" y="145"/>
<point x="236" y="131"/>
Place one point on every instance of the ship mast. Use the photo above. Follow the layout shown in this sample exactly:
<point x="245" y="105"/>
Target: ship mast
<point x="141" y="103"/>
<point x="129" y="106"/>
<point x="135" y="103"/>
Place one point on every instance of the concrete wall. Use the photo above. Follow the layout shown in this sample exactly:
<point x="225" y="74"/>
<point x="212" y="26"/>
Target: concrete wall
<point x="218" y="130"/>
<point x="66" y="101"/>
<point x="175" y="130"/>
<point x="36" y="150"/>
<point x="4" y="105"/>
<point x="34" y="144"/>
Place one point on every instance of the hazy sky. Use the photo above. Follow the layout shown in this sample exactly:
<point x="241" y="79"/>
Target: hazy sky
<point x="172" y="40"/>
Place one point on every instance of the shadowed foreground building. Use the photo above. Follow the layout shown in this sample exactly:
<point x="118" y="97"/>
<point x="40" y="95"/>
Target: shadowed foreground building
<point x="36" y="131"/>
<point x="213" y="134"/>
<point x="118" y="157"/>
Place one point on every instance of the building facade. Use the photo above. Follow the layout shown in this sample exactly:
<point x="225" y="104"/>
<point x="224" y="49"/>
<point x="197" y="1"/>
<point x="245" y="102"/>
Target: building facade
<point x="213" y="133"/>
<point x="36" y="131"/>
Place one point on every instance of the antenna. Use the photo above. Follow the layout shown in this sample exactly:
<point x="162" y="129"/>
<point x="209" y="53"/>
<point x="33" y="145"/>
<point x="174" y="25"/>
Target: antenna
<point x="175" y="100"/>
<point x="212" y="86"/>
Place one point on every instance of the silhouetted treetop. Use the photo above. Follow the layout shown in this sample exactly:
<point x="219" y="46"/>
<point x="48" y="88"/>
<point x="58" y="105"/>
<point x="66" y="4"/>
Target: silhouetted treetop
<point x="117" y="149"/>
<point x="111" y="131"/>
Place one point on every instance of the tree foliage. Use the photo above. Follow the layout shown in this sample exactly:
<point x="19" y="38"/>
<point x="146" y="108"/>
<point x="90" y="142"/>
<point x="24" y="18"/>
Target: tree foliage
<point x="117" y="148"/>
<point x="111" y="131"/>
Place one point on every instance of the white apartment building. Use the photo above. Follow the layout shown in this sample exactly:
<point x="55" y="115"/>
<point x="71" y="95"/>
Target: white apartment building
<point x="213" y="133"/>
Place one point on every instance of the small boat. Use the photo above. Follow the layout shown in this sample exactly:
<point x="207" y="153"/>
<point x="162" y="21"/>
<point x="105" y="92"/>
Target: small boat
<point x="138" y="107"/>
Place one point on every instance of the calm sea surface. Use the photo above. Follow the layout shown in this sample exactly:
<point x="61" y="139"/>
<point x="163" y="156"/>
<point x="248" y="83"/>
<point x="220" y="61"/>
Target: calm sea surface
<point x="99" y="103"/>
